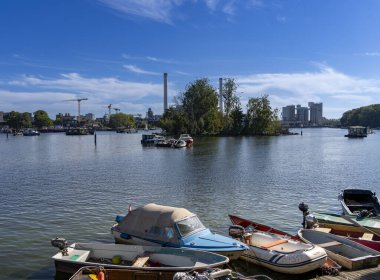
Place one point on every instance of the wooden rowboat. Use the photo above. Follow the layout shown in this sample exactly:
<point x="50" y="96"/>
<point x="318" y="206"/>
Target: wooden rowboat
<point x="345" y="252"/>
<point x="359" y="202"/>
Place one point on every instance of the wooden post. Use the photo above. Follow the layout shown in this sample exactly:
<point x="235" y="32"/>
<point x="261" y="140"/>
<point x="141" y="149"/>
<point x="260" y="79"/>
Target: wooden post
<point x="95" y="138"/>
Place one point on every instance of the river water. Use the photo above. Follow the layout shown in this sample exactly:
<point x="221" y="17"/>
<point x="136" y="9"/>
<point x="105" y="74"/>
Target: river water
<point x="64" y="186"/>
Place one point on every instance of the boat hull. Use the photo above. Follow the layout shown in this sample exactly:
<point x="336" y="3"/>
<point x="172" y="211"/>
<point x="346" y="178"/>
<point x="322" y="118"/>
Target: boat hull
<point x="133" y="240"/>
<point x="162" y="259"/>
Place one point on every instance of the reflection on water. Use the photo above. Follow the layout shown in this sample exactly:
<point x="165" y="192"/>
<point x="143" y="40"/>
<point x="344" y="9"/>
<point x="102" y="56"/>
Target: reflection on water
<point x="56" y="185"/>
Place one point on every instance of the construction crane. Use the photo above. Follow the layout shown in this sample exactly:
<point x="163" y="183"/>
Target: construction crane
<point x="78" y="100"/>
<point x="109" y="109"/>
<point x="116" y="110"/>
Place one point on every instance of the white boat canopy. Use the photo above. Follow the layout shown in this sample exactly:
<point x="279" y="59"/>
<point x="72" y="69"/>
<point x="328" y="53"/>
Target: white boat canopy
<point x="153" y="221"/>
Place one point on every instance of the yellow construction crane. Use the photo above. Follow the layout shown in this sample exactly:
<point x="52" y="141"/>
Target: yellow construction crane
<point x="78" y="100"/>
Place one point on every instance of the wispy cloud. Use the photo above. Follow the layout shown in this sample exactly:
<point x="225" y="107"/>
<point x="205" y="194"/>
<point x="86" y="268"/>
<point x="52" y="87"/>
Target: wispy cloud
<point x="138" y="70"/>
<point x="372" y="54"/>
<point x="157" y="10"/>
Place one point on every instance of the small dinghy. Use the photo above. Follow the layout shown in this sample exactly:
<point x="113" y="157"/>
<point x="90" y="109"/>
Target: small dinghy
<point x="359" y="202"/>
<point x="278" y="252"/>
<point x="132" y="257"/>
<point x="345" y="252"/>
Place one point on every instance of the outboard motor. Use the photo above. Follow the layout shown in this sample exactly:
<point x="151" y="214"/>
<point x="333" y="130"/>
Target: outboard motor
<point x="61" y="244"/>
<point x="309" y="221"/>
<point x="236" y="231"/>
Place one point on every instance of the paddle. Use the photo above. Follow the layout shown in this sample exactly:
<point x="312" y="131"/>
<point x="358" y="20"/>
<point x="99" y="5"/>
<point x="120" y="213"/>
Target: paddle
<point x="347" y="218"/>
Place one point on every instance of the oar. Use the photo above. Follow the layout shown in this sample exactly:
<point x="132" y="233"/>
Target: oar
<point x="347" y="218"/>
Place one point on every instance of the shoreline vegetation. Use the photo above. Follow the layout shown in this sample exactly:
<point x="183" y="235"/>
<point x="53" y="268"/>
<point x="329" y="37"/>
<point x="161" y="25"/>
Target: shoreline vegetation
<point x="199" y="110"/>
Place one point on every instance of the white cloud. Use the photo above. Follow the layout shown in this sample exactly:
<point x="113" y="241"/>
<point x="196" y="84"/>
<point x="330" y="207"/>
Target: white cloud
<point x="157" y="10"/>
<point x="211" y="4"/>
<point x="138" y="70"/>
<point x="372" y="54"/>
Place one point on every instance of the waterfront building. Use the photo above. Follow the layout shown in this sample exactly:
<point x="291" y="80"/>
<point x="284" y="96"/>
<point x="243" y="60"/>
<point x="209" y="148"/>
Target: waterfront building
<point x="315" y="113"/>
<point x="302" y="115"/>
<point x="289" y="115"/>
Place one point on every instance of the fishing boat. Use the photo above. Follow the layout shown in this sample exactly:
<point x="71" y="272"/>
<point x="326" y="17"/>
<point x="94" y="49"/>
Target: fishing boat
<point x="363" y="203"/>
<point x="345" y="252"/>
<point x="132" y="257"/>
<point x="276" y="251"/>
<point x="154" y="224"/>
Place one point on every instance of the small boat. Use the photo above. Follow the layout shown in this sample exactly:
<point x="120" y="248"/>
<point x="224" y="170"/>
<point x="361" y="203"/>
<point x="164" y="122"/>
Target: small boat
<point x="278" y="251"/>
<point x="132" y="257"/>
<point x="357" y="132"/>
<point x="151" y="139"/>
<point x="154" y="224"/>
<point x="18" y="133"/>
<point x="180" y="144"/>
<point x="363" y="203"/>
<point x="187" y="138"/>
<point x="97" y="272"/>
<point x="345" y="252"/>
<point x="165" y="143"/>
<point x="31" y="132"/>
<point x="347" y="223"/>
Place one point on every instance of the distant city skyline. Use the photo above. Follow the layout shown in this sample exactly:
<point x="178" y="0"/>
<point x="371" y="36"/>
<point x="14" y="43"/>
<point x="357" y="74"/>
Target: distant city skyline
<point x="116" y="51"/>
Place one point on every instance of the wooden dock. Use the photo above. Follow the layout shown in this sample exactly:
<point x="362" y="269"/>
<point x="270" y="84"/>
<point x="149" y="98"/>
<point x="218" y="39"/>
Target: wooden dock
<point x="362" y="274"/>
<point x="248" y="269"/>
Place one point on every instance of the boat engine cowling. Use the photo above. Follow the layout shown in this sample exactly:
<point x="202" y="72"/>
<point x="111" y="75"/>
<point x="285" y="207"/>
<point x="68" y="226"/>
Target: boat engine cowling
<point x="310" y="221"/>
<point x="236" y="231"/>
<point x="59" y="242"/>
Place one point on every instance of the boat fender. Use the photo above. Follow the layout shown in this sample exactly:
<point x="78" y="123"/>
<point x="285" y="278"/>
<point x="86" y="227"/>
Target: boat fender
<point x="93" y="276"/>
<point x="101" y="275"/>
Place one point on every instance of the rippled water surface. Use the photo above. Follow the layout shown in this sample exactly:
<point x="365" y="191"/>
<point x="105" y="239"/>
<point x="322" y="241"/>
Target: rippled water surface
<point x="56" y="185"/>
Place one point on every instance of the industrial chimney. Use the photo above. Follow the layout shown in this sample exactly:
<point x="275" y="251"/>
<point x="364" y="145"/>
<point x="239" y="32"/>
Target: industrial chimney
<point x="165" y="92"/>
<point x="221" y="95"/>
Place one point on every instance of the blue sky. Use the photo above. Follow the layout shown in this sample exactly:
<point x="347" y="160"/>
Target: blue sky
<point x="116" y="51"/>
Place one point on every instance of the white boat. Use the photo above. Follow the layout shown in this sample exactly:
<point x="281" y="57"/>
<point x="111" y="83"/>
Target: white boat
<point x="187" y="138"/>
<point x="133" y="257"/>
<point x="180" y="144"/>
<point x="279" y="252"/>
<point x="345" y="252"/>
<point x="31" y="132"/>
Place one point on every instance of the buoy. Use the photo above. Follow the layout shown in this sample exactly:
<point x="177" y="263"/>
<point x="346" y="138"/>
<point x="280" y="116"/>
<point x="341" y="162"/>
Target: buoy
<point x="101" y="275"/>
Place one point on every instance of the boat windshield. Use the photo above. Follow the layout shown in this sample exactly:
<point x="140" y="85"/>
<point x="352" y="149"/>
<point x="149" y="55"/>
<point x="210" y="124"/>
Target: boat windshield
<point x="189" y="226"/>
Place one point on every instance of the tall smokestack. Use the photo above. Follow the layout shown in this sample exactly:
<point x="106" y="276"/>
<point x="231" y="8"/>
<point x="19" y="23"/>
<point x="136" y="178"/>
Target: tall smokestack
<point x="165" y="92"/>
<point x="221" y="95"/>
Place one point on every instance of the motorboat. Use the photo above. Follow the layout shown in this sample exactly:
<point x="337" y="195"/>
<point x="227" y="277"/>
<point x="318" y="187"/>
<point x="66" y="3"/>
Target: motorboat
<point x="361" y="202"/>
<point x="187" y="138"/>
<point x="180" y="144"/>
<point x="31" y="132"/>
<point x="345" y="252"/>
<point x="133" y="257"/>
<point x="154" y="224"/>
<point x="275" y="249"/>
<point x="147" y="139"/>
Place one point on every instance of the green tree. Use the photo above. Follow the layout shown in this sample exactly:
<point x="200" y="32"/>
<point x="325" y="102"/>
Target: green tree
<point x="18" y="120"/>
<point x="364" y="116"/>
<point x="174" y="121"/>
<point x="200" y="104"/>
<point x="229" y="95"/>
<point x="41" y="118"/>
<point x="260" y="116"/>
<point x="122" y="120"/>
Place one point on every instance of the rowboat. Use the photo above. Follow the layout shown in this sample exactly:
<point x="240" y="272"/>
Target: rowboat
<point x="367" y="238"/>
<point x="347" y="223"/>
<point x="277" y="251"/>
<point x="359" y="202"/>
<point x="345" y="252"/>
<point x="132" y="257"/>
<point x="154" y="224"/>
<point x="96" y="272"/>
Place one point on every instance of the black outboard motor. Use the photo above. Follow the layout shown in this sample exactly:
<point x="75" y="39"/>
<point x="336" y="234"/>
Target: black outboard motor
<point x="61" y="244"/>
<point x="236" y="231"/>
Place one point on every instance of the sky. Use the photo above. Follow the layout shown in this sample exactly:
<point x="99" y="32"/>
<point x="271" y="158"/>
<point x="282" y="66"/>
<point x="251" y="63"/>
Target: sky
<point x="116" y="51"/>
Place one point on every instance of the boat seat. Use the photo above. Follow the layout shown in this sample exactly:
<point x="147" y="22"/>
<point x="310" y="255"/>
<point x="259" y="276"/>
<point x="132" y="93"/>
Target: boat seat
<point x="274" y="243"/>
<point x="324" y="229"/>
<point x="140" y="261"/>
<point x="329" y="244"/>
<point x="367" y="236"/>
